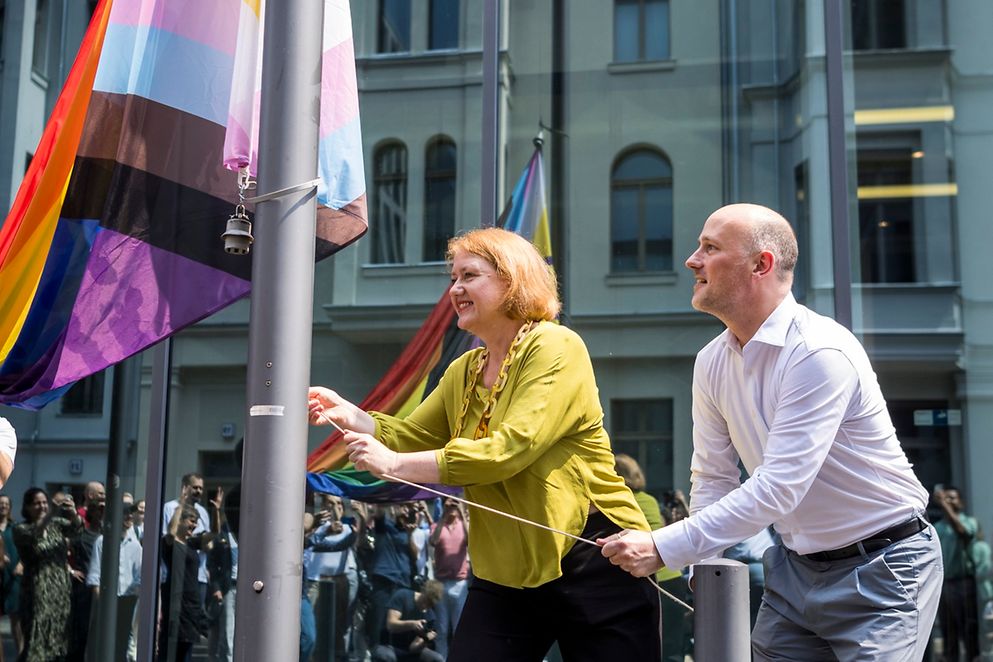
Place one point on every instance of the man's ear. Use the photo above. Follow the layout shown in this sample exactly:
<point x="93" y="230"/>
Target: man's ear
<point x="765" y="262"/>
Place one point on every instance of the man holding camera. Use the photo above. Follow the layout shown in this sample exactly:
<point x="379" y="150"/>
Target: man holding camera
<point x="410" y="626"/>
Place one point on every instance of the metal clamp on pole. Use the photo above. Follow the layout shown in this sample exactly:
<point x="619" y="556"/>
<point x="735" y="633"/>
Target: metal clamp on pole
<point x="284" y="191"/>
<point x="721" y="622"/>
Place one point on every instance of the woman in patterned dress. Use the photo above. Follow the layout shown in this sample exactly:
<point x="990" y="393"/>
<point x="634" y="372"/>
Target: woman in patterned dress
<point x="41" y="541"/>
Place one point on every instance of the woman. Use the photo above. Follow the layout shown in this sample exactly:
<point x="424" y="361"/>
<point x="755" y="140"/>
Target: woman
<point x="182" y="607"/>
<point x="42" y="542"/>
<point x="10" y="588"/>
<point x="519" y="425"/>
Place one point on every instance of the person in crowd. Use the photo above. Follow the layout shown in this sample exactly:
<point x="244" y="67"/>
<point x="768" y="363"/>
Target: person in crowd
<point x="182" y="605"/>
<point x="982" y="557"/>
<point x="93" y="492"/>
<point x="958" y="532"/>
<point x="410" y="627"/>
<point x="8" y="450"/>
<point x="139" y="519"/>
<point x="329" y="566"/>
<point x="10" y="584"/>
<point x="450" y="544"/>
<point x="419" y="547"/>
<point x="128" y="580"/>
<point x="674" y="506"/>
<point x="42" y="543"/>
<point x="391" y="564"/>
<point x="80" y="556"/>
<point x="190" y="492"/>
<point x="518" y="423"/>
<point x="675" y="633"/>
<point x="792" y="395"/>
<point x="222" y="571"/>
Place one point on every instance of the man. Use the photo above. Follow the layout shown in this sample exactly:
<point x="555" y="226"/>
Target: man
<point x="8" y="450"/>
<point x="190" y="491"/>
<point x="390" y="567"/>
<point x="409" y="626"/>
<point x="128" y="584"/>
<point x="139" y="519"/>
<point x="792" y="396"/>
<point x="94" y="492"/>
<point x="959" y="607"/>
<point x="329" y="562"/>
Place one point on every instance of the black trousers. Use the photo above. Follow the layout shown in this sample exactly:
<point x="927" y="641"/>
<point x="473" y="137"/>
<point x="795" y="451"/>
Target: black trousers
<point x="595" y="611"/>
<point x="959" y="618"/>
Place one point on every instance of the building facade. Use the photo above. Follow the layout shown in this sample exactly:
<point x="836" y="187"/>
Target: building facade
<point x="656" y="113"/>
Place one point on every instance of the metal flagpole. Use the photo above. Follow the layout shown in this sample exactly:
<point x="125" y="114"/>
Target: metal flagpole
<point x="123" y="428"/>
<point x="267" y="622"/>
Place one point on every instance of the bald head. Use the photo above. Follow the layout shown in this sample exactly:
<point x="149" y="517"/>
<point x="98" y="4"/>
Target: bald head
<point x="764" y="229"/>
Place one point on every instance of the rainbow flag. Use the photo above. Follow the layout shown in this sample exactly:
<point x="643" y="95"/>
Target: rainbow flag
<point x="417" y="370"/>
<point x="113" y="240"/>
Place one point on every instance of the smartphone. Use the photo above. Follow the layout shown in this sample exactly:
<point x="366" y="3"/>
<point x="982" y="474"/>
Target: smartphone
<point x="348" y="520"/>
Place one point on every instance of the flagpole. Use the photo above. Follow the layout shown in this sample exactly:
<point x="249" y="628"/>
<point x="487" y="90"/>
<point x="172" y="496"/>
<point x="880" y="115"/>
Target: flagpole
<point x="123" y="429"/>
<point x="267" y="623"/>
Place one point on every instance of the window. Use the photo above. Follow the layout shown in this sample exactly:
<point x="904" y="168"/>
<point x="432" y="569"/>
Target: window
<point x="394" y="26"/>
<point x="643" y="430"/>
<point x="389" y="220"/>
<point x="878" y="24"/>
<point x="85" y="397"/>
<point x="641" y="213"/>
<point x="42" y="22"/>
<point x="641" y="30"/>
<point x="444" y="25"/>
<point x="886" y="224"/>
<point x="439" y="198"/>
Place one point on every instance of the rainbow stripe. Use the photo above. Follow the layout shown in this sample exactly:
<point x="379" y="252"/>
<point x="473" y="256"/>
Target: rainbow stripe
<point x="113" y="240"/>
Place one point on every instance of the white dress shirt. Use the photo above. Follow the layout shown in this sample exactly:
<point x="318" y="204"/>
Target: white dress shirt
<point x="801" y="407"/>
<point x="129" y="566"/>
<point x="8" y="439"/>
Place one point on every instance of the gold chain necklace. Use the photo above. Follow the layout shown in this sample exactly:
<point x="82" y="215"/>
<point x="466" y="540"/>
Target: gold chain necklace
<point x="483" y="428"/>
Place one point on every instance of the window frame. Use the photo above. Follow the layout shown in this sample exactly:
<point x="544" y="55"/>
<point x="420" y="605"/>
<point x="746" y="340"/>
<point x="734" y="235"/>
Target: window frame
<point x="438" y="176"/>
<point x="641" y="185"/>
<point x="380" y="183"/>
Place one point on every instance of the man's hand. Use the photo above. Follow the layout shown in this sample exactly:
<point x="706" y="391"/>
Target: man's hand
<point x="633" y="550"/>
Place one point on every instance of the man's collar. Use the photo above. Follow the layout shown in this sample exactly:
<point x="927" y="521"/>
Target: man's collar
<point x="774" y="329"/>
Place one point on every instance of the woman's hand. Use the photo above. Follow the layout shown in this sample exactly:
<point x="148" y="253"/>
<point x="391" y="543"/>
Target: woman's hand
<point x="325" y="406"/>
<point x="368" y="454"/>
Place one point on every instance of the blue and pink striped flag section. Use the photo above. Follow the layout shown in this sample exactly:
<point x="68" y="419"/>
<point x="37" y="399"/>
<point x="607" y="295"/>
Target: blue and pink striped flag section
<point x="112" y="242"/>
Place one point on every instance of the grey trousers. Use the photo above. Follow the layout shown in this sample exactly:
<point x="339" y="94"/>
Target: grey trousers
<point x="878" y="606"/>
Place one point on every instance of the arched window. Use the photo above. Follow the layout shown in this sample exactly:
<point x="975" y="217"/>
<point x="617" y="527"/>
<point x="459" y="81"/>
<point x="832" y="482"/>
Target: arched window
<point x="641" y="212"/>
<point x="389" y="218"/>
<point x="439" y="198"/>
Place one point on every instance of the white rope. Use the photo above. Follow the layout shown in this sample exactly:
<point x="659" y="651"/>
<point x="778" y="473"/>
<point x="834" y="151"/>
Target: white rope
<point x="445" y="495"/>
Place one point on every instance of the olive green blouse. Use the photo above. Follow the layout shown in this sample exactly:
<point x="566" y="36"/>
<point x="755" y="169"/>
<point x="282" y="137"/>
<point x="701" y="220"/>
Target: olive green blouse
<point x="547" y="457"/>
